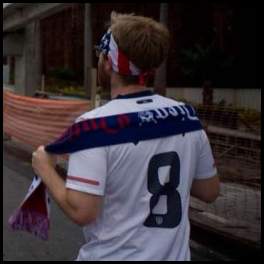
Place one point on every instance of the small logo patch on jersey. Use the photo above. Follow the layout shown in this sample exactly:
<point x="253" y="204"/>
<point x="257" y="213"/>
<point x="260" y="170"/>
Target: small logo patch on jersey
<point x="159" y="220"/>
<point x="144" y="101"/>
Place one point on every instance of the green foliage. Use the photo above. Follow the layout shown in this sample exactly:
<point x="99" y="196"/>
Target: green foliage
<point x="65" y="74"/>
<point x="62" y="81"/>
<point x="251" y="116"/>
<point x="77" y="91"/>
<point x="74" y="91"/>
<point x="206" y="63"/>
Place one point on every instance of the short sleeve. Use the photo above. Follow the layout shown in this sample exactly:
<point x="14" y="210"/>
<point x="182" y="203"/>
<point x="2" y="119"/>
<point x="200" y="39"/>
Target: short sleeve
<point x="206" y="164"/>
<point x="87" y="171"/>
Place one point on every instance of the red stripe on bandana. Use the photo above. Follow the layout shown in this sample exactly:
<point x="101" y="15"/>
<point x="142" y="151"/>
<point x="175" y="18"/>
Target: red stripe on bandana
<point x="123" y="63"/>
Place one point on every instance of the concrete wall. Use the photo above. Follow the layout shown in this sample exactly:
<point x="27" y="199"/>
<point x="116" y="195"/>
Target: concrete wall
<point x="5" y="74"/>
<point x="20" y="75"/>
<point x="247" y="98"/>
<point x="190" y="94"/>
<point x="13" y="44"/>
<point x="28" y="63"/>
<point x="32" y="57"/>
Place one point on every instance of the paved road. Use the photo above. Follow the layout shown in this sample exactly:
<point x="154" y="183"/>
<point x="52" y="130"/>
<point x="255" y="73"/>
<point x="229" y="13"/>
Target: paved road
<point x="65" y="237"/>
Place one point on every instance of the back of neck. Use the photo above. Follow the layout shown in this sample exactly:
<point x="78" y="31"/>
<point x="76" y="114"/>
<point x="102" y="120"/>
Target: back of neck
<point x="128" y="89"/>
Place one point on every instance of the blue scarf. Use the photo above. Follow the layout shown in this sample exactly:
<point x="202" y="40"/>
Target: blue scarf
<point x="33" y="213"/>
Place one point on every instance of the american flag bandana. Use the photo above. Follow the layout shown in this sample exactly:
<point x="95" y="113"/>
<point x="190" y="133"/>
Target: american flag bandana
<point x="34" y="212"/>
<point x="120" y="62"/>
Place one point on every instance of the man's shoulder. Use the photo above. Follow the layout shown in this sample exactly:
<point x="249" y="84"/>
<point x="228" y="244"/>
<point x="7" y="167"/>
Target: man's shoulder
<point x="104" y="110"/>
<point x="171" y="101"/>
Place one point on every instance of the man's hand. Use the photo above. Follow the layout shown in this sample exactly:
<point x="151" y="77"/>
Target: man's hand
<point x="42" y="162"/>
<point x="82" y="208"/>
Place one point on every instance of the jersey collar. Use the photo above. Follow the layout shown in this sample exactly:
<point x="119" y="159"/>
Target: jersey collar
<point x="135" y="95"/>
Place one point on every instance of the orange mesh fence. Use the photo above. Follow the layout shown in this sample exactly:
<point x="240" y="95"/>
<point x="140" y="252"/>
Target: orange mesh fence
<point x="37" y="121"/>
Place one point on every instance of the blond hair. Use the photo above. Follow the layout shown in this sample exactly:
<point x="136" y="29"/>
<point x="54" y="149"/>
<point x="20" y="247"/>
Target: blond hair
<point x="143" y="40"/>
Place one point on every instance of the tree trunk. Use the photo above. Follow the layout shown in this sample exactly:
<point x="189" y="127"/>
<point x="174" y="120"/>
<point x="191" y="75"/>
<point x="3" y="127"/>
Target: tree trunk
<point x="207" y="93"/>
<point x="160" y="80"/>
<point x="88" y="63"/>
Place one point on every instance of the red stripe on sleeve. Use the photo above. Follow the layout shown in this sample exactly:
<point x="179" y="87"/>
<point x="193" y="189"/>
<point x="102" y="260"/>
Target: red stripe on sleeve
<point x="92" y="182"/>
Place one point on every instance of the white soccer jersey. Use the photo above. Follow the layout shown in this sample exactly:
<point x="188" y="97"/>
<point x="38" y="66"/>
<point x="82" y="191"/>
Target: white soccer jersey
<point x="146" y="187"/>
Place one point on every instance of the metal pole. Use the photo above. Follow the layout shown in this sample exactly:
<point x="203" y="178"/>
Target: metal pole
<point x="160" y="81"/>
<point x="87" y="50"/>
